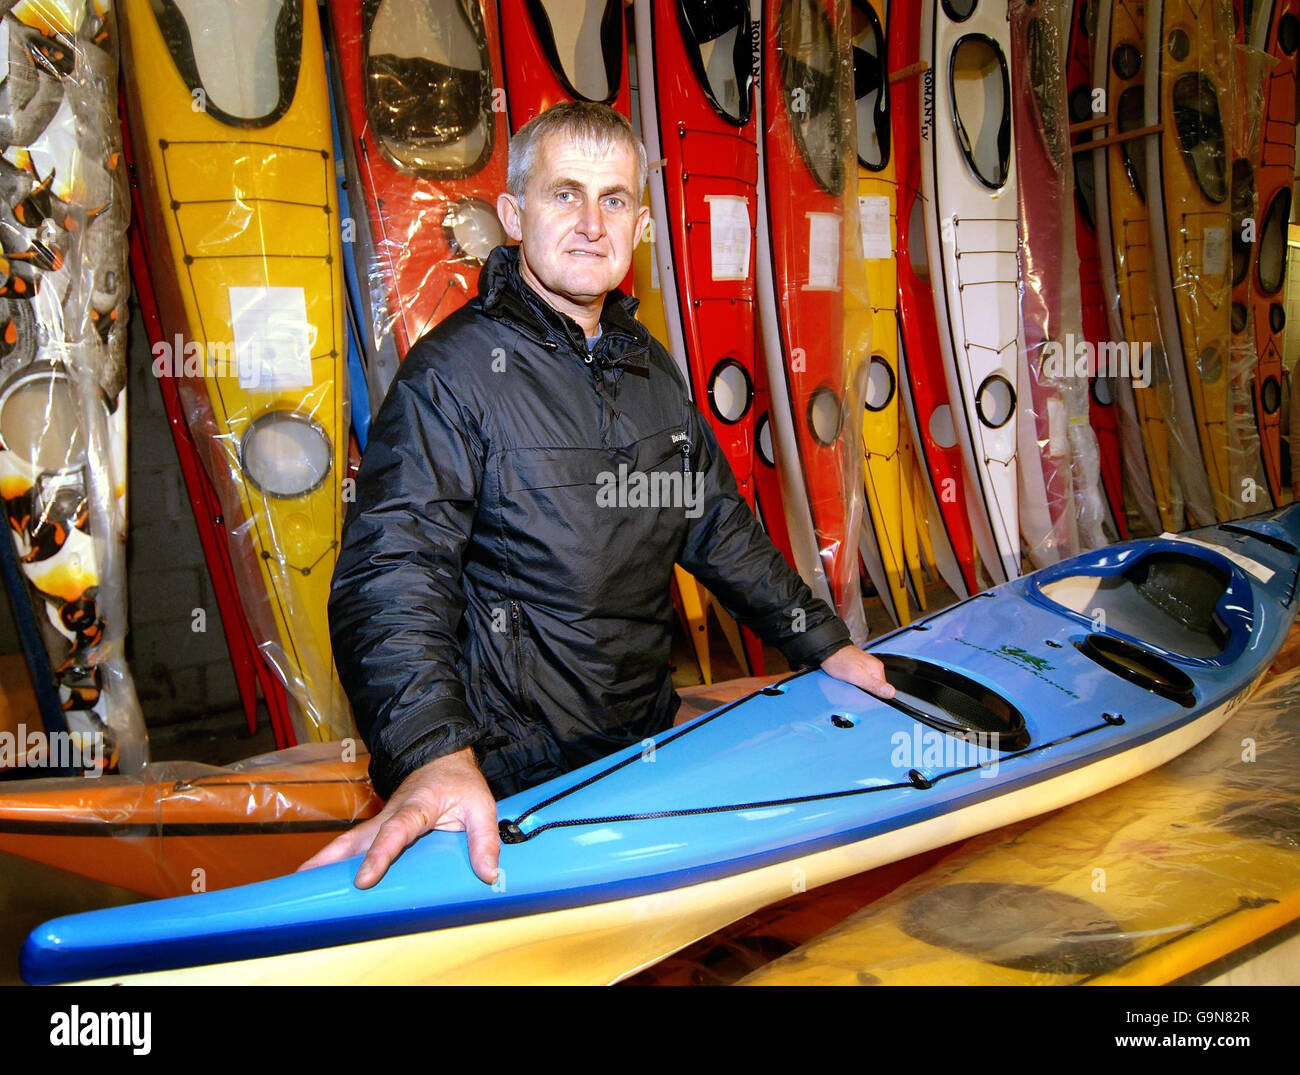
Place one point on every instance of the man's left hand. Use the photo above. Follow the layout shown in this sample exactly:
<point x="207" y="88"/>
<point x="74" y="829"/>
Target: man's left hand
<point x="858" y="667"/>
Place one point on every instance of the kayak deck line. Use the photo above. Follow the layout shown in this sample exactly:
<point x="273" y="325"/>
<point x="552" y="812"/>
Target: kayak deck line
<point x="511" y="833"/>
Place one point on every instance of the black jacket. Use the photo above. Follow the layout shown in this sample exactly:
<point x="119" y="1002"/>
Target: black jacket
<point x="496" y="588"/>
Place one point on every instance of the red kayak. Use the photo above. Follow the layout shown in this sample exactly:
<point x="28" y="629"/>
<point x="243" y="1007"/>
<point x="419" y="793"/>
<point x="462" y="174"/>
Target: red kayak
<point x="802" y="196"/>
<point x="921" y="360"/>
<point x="700" y="122"/>
<point x="429" y="135"/>
<point x="1103" y="411"/>
<point x="769" y="503"/>
<point x="1277" y="33"/>
<point x="698" y="118"/>
<point x="1049" y="313"/>
<point x="564" y="50"/>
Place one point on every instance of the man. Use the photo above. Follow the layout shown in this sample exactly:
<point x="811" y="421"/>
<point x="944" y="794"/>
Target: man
<point x="498" y="618"/>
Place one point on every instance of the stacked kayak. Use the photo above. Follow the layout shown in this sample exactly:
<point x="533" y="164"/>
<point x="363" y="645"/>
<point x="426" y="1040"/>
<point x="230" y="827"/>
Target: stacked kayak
<point x="241" y="217"/>
<point x="1124" y="231"/>
<point x="179" y="827"/>
<point x="1188" y="92"/>
<point x="1108" y="665"/>
<point x="427" y="145"/>
<point x="968" y="174"/>
<point x="883" y="544"/>
<point x="63" y="295"/>
<point x="1103" y="404"/>
<point x="1277" y="34"/>
<point x="696" y="115"/>
<point x="931" y="421"/>
<point x="813" y="349"/>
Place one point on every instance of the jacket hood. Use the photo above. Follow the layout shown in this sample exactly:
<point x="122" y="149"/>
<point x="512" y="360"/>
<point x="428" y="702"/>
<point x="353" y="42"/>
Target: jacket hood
<point x="504" y="294"/>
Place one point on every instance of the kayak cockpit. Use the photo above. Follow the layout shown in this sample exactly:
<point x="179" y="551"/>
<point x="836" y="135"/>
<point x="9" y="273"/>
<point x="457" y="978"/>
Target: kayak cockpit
<point x="1186" y="605"/>
<point x="239" y="61"/>
<point x="429" y="86"/>
<point x="954" y="704"/>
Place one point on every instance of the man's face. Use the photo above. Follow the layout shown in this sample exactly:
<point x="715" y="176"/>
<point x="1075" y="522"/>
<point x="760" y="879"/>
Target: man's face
<point x="581" y="218"/>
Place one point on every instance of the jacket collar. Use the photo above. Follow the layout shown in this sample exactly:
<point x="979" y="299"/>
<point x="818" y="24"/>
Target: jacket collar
<point x="504" y="295"/>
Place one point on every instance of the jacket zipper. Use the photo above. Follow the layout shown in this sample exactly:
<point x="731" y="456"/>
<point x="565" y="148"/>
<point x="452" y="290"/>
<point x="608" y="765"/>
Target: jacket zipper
<point x="516" y="634"/>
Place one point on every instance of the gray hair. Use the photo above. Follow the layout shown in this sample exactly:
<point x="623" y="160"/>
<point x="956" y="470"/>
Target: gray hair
<point x="585" y="122"/>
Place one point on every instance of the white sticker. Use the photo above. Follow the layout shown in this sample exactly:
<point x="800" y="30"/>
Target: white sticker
<point x="729" y="236"/>
<point x="273" y="338"/>
<point x="823" y="252"/>
<point x="877" y="237"/>
<point x="1214" y="259"/>
<point x="1056" y="426"/>
<point x="1244" y="562"/>
<point x="4" y="49"/>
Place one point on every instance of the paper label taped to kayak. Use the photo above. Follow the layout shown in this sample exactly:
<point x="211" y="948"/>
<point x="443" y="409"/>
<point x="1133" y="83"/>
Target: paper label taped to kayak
<point x="729" y="236"/>
<point x="273" y="338"/>
<point x="823" y="252"/>
<point x="1214" y="258"/>
<point x="877" y="236"/>
<point x="1254" y="567"/>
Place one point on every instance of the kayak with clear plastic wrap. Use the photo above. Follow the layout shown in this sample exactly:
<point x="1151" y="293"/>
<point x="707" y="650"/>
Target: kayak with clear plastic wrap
<point x="240" y="217"/>
<point x="174" y="824"/>
<point x="1015" y="702"/>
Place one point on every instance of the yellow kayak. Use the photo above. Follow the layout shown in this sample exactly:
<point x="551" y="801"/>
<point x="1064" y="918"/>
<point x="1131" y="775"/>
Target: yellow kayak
<point x="1146" y="884"/>
<point x="1124" y="228"/>
<point x="1189" y="91"/>
<point x="883" y="540"/>
<point x="230" y="121"/>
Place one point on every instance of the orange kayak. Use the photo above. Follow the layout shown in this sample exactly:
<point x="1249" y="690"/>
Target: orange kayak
<point x="182" y="827"/>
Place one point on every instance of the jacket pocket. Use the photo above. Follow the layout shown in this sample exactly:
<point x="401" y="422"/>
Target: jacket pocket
<point x="551" y="468"/>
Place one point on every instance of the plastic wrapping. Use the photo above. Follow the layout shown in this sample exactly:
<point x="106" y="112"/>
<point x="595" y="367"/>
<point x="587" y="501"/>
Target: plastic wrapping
<point x="232" y="127"/>
<point x="883" y="542"/>
<point x="179" y="827"/>
<point x="425" y="179"/>
<point x="63" y="301"/>
<point x="1274" y="180"/>
<point x="813" y="308"/>
<point x="1135" y="357"/>
<point x="1189" y="90"/>
<point x="1145" y="884"/>
<point x="1103" y="407"/>
<point x="1054" y="426"/>
<point x="1246" y="477"/>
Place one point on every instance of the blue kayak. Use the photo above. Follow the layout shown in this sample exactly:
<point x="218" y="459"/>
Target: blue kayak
<point x="1014" y="702"/>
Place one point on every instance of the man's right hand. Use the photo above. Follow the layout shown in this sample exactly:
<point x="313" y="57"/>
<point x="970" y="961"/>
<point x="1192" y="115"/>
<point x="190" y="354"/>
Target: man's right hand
<point x="449" y="794"/>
